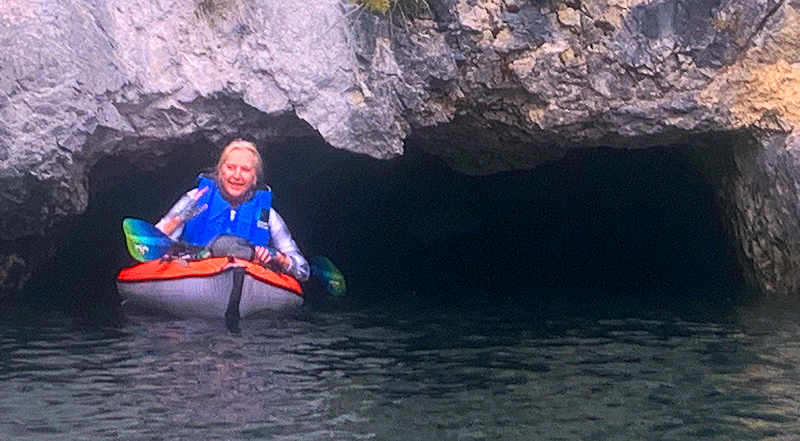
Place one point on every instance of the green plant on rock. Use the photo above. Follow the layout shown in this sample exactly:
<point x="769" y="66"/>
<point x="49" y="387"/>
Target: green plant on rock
<point x="375" y="5"/>
<point x="406" y="8"/>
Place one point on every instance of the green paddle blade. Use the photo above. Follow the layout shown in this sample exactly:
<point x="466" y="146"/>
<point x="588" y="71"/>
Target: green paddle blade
<point x="327" y="272"/>
<point x="145" y="242"/>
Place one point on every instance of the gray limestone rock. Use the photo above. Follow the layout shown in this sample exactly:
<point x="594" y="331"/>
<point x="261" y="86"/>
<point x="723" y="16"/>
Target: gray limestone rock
<point x="488" y="85"/>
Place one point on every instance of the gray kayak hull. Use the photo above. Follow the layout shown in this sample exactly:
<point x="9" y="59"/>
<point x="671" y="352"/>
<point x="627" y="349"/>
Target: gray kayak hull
<point x="205" y="296"/>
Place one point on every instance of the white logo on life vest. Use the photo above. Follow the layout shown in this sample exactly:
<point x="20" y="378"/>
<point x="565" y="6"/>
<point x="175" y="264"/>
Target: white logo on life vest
<point x="263" y="219"/>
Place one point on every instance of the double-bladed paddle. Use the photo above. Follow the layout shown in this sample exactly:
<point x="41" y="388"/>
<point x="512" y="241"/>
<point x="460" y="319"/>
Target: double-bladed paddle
<point x="146" y="242"/>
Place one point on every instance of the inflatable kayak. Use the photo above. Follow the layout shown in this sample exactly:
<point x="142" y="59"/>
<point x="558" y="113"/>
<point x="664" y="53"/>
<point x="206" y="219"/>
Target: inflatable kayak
<point x="203" y="288"/>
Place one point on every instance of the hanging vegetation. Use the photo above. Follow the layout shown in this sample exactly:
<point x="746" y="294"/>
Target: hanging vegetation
<point x="404" y="7"/>
<point x="376" y="5"/>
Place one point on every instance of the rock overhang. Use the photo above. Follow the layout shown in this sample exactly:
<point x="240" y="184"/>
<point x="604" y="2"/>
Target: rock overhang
<point x="489" y="86"/>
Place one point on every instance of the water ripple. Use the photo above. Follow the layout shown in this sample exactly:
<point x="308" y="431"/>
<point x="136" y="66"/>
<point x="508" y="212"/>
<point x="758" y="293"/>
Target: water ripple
<point x="360" y="374"/>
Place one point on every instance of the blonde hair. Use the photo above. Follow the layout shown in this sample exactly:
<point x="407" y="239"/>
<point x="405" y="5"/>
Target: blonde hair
<point x="241" y="144"/>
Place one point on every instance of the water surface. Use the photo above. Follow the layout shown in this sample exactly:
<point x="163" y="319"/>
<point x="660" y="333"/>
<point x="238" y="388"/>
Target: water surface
<point x="479" y="371"/>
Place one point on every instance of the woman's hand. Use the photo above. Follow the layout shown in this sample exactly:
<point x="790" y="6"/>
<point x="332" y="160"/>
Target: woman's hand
<point x="184" y="210"/>
<point x="191" y="209"/>
<point x="272" y="258"/>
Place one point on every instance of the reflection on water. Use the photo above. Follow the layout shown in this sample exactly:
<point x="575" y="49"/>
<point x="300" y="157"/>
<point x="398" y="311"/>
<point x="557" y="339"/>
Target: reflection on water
<point x="349" y="373"/>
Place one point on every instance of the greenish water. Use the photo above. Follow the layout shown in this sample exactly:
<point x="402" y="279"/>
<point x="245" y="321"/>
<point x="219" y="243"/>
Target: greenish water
<point x="434" y="372"/>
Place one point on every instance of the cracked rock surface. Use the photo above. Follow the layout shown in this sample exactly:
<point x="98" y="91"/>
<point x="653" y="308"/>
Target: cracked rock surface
<point x="487" y="85"/>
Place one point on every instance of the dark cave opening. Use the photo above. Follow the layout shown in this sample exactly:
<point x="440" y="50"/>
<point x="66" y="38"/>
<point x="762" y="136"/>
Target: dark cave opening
<point x="600" y="226"/>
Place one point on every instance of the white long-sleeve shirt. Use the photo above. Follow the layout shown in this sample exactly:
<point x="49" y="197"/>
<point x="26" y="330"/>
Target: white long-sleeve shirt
<point x="280" y="238"/>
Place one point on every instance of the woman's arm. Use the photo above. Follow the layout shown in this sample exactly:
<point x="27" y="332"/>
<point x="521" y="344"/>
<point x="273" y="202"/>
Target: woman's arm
<point x="186" y="208"/>
<point x="281" y="239"/>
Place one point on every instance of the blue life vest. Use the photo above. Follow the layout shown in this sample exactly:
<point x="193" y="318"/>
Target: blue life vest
<point x="251" y="220"/>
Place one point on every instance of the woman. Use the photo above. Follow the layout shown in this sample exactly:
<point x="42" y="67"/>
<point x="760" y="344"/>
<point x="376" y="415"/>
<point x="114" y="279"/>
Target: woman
<point x="229" y="203"/>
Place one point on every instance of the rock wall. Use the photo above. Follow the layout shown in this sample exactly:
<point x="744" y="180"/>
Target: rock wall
<point x="488" y="85"/>
<point x="757" y="185"/>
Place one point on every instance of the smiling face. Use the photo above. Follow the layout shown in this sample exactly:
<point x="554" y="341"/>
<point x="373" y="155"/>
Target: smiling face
<point x="237" y="173"/>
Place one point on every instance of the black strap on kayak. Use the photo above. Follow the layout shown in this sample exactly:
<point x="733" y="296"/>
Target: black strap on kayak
<point x="232" y="313"/>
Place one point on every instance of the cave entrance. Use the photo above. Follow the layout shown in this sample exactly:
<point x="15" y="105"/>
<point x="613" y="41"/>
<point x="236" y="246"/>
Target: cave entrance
<point x="600" y="223"/>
